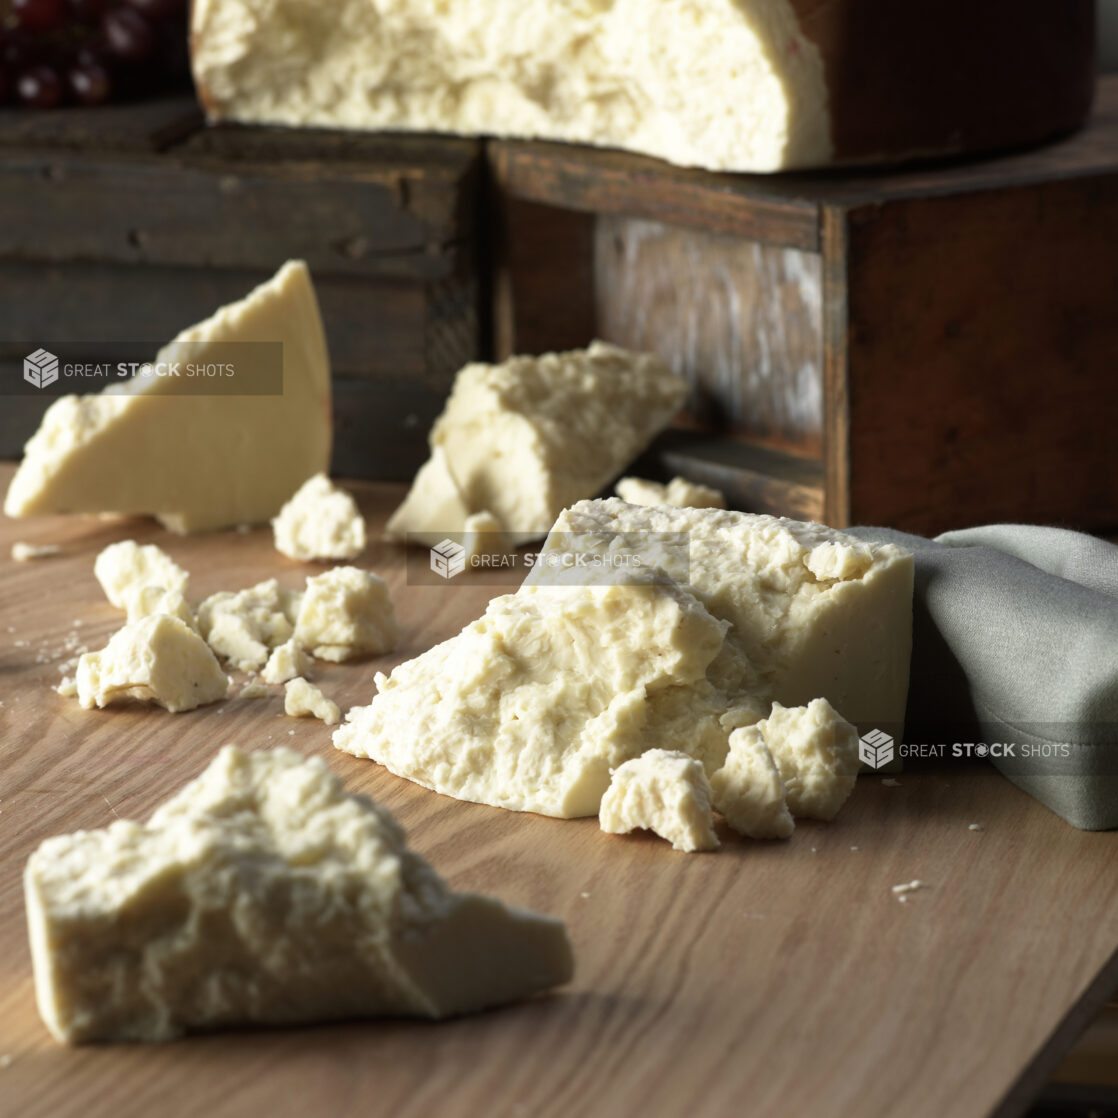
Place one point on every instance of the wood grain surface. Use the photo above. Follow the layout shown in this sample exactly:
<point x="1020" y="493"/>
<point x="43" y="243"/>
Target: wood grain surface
<point x="765" y="979"/>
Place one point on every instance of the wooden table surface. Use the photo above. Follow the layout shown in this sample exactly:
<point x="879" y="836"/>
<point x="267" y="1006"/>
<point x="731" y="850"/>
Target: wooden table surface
<point x="765" y="979"/>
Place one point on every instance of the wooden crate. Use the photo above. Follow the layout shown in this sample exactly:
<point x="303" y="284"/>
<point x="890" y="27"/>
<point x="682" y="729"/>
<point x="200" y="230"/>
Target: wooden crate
<point x="927" y="348"/>
<point x="121" y="226"/>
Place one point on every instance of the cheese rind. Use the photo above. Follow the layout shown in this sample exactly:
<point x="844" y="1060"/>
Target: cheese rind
<point x="665" y="792"/>
<point x="346" y="612"/>
<point x="263" y="894"/>
<point x="197" y="461"/>
<point x="748" y="791"/>
<point x="157" y="660"/>
<point x="525" y="439"/>
<point x="125" y="568"/>
<point x="320" y="521"/>
<point x="679" y="492"/>
<point x="303" y="700"/>
<point x="243" y="627"/>
<point x="532" y="706"/>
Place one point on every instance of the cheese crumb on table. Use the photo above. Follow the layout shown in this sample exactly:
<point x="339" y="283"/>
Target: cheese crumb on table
<point x="346" y="612"/>
<point x="303" y="700"/>
<point x="679" y="492"/>
<point x="901" y="892"/>
<point x="123" y="569"/>
<point x="211" y="915"/>
<point x="975" y="827"/>
<point x="664" y="792"/>
<point x="158" y="660"/>
<point x="748" y="790"/>
<point x="320" y="521"/>
<point x="889" y="782"/>
<point x="287" y="661"/>
<point x="253" y="690"/>
<point x="243" y="627"/>
<point x="26" y="552"/>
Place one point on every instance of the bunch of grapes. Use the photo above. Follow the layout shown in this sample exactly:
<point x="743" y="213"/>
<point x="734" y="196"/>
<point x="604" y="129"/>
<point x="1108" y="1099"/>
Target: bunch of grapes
<point x="87" y="52"/>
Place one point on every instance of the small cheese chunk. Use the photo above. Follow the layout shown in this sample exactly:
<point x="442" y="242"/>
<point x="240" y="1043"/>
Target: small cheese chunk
<point x="346" y="612"/>
<point x="320" y="522"/>
<point x="150" y="600"/>
<point x="125" y="568"/>
<point x="303" y="700"/>
<point x="526" y="438"/>
<point x="157" y="660"/>
<point x="253" y="690"/>
<point x="679" y="492"/>
<point x="202" y="458"/>
<point x="245" y="626"/>
<point x="287" y="661"/>
<point x="665" y="792"/>
<point x="264" y="894"/>
<point x="816" y="750"/>
<point x="748" y="790"/>
<point x="533" y="705"/>
<point x="25" y="552"/>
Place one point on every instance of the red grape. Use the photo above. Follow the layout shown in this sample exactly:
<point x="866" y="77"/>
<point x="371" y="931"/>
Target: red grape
<point x="39" y="15"/>
<point x="90" y="83"/>
<point x="128" y="35"/>
<point x="39" y="87"/>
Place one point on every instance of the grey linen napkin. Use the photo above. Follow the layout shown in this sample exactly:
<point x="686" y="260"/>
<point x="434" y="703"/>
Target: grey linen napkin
<point x="1015" y="641"/>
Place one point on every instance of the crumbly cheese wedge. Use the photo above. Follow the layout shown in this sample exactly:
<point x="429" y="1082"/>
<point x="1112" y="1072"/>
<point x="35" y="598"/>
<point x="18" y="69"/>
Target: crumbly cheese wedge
<point x="346" y="612"/>
<point x="731" y="85"/>
<point x="748" y="790"/>
<point x="263" y="894"/>
<point x="679" y="492"/>
<point x="303" y="700"/>
<point x="434" y="507"/>
<point x="665" y="792"/>
<point x="125" y="568"/>
<point x="150" y="600"/>
<point x="533" y="705"/>
<point x="287" y="661"/>
<point x="196" y="461"/>
<point x="525" y="439"/>
<point x="813" y="612"/>
<point x="320" y="521"/>
<point x="157" y="660"/>
<point x="816" y="750"/>
<point x="244" y="627"/>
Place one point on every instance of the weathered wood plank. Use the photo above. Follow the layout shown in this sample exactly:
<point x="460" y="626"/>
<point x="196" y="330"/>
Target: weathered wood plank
<point x="141" y="126"/>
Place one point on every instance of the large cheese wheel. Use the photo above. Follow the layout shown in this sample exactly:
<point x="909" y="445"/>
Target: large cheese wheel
<point x="748" y="85"/>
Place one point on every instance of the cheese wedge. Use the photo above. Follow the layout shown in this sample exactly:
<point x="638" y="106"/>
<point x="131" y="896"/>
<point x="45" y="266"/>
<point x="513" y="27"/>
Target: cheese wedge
<point x="197" y="461"/>
<point x="264" y="894"/>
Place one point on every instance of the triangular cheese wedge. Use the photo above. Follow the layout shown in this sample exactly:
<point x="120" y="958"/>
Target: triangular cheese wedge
<point x="264" y="894"/>
<point x="197" y="461"/>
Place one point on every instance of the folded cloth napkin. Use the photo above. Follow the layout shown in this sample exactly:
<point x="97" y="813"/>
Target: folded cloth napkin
<point x="1015" y="642"/>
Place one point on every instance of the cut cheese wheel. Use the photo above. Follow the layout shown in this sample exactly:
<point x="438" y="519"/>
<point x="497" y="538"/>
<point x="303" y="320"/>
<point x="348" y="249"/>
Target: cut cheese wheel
<point x="201" y="460"/>
<point x="746" y="85"/>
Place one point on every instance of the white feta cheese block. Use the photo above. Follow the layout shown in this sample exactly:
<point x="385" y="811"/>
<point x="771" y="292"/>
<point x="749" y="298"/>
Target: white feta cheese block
<point x="243" y="627"/>
<point x="813" y="612"/>
<point x="264" y="894"/>
<point x="533" y="705"/>
<point x="150" y="600"/>
<point x="816" y="750"/>
<point x="157" y="660"/>
<point x="287" y="661"/>
<point x="665" y="792"/>
<point x="303" y="700"/>
<point x="679" y="492"/>
<point x="345" y="613"/>
<point x="525" y="439"/>
<point x="320" y="521"/>
<point x="127" y="567"/>
<point x="748" y="791"/>
<point x="201" y="460"/>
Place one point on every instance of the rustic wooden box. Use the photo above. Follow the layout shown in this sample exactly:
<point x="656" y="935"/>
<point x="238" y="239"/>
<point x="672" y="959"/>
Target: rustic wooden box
<point x="925" y="349"/>
<point x="122" y="225"/>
